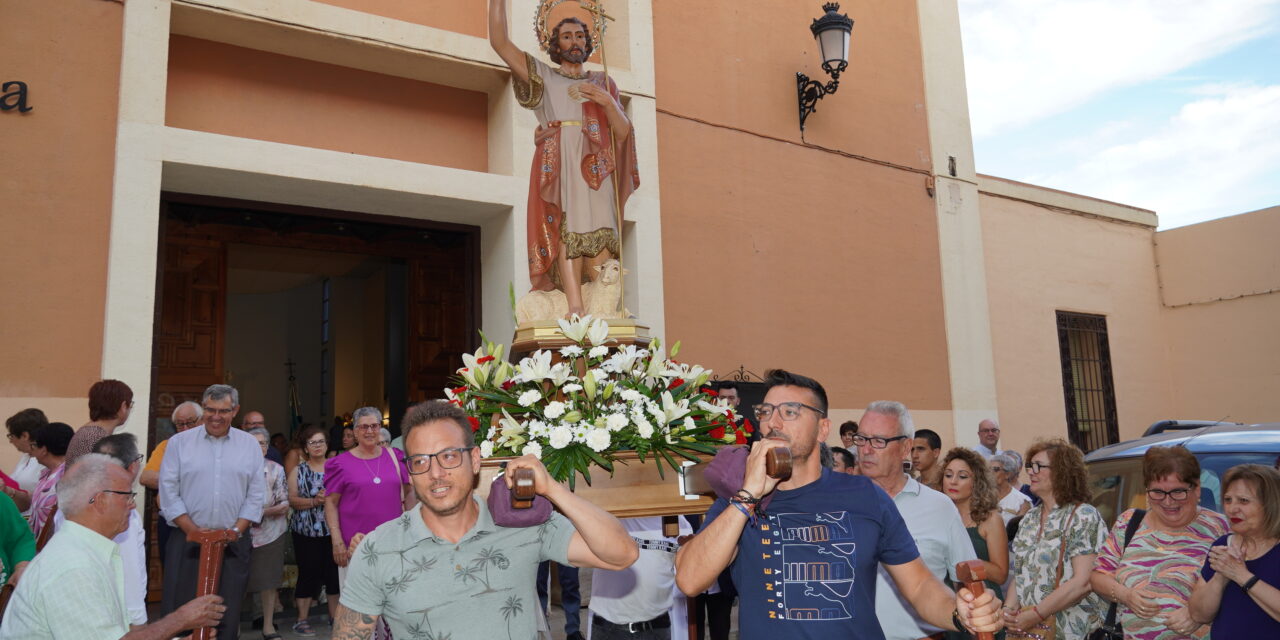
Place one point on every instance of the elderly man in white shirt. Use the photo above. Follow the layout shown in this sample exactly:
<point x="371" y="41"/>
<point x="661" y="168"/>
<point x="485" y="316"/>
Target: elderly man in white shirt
<point x="75" y="588"/>
<point x="211" y="478"/>
<point x="132" y="542"/>
<point x="884" y="439"/>
<point x="988" y="438"/>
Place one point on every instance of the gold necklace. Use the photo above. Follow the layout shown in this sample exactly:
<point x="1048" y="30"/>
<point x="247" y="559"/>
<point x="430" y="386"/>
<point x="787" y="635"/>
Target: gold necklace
<point x="572" y="76"/>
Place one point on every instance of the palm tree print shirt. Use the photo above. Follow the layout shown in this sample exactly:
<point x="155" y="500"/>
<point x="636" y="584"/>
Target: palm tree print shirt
<point x="428" y="588"/>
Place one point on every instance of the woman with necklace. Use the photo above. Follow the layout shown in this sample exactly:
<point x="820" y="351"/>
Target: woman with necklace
<point x="1239" y="586"/>
<point x="364" y="487"/>
<point x="1151" y="577"/>
<point x="1055" y="549"/>
<point x="970" y="485"/>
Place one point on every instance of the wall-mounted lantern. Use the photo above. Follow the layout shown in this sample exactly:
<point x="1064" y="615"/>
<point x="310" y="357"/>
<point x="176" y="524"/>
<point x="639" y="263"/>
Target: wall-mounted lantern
<point x="831" y="31"/>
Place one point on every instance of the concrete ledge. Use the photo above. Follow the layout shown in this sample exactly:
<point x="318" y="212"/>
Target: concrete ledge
<point x="1070" y="202"/>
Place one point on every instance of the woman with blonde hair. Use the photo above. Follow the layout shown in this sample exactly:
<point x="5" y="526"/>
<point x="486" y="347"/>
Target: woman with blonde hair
<point x="970" y="485"/>
<point x="1055" y="549"/>
<point x="1239" y="586"/>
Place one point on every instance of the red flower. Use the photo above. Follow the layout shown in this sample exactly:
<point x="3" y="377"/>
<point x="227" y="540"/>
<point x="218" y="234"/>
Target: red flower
<point x="457" y="402"/>
<point x="506" y="386"/>
<point x="746" y="424"/>
<point x="741" y="438"/>
<point x="711" y="392"/>
<point x="475" y="423"/>
<point x="484" y="359"/>
<point x="717" y="432"/>
<point x="675" y="383"/>
<point x="457" y="391"/>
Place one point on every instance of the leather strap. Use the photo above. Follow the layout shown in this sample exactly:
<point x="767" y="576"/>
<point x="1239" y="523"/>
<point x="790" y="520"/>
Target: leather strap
<point x="1135" y="521"/>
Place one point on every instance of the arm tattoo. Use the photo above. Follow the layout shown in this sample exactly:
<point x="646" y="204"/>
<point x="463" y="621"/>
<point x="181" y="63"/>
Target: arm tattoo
<point x="352" y="625"/>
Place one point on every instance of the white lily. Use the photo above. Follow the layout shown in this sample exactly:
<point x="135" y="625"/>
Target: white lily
<point x="560" y="374"/>
<point x="673" y="410"/>
<point x="589" y="385"/>
<point x="575" y="328"/>
<point x="536" y="367"/>
<point x="598" y="333"/>
<point x="474" y="370"/>
<point x="716" y="408"/>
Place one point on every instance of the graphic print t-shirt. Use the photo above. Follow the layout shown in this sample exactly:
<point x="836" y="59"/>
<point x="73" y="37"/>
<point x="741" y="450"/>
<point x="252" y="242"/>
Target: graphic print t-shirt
<point x="808" y="568"/>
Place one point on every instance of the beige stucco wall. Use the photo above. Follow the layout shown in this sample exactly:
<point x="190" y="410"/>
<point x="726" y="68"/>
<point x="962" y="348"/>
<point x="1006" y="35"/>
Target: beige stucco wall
<point x="1048" y="251"/>
<point x="1220" y="283"/>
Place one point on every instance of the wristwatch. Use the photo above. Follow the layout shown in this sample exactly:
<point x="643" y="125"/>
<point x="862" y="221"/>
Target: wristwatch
<point x="1249" y="583"/>
<point x="955" y="620"/>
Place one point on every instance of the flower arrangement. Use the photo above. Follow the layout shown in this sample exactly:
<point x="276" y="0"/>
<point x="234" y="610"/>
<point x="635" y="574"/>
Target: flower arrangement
<point x="596" y="401"/>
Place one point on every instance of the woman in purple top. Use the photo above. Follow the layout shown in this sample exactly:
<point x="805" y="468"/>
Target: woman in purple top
<point x="364" y="487"/>
<point x="1239" y="586"/>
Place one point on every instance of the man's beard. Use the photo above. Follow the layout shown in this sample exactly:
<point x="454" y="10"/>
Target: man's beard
<point x="574" y="55"/>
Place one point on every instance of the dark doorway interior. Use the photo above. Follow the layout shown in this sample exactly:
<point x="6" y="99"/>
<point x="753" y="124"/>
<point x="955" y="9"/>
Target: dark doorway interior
<point x="370" y="310"/>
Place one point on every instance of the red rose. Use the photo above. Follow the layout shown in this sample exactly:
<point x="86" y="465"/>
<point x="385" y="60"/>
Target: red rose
<point x="717" y="432"/>
<point x="741" y="438"/>
<point x="746" y="424"/>
<point x="506" y="386"/>
<point x="475" y="423"/>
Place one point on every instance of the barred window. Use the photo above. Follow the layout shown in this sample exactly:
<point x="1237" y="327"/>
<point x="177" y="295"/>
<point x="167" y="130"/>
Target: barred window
<point x="1087" y="386"/>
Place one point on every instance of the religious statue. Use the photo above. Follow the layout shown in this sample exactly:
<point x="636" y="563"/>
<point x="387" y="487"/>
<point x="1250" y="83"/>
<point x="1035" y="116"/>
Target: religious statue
<point x="584" y="162"/>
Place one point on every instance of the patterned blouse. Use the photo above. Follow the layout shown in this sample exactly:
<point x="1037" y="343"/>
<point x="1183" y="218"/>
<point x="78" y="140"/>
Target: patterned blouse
<point x="309" y="522"/>
<point x="271" y="527"/>
<point x="1166" y="562"/>
<point x="44" y="497"/>
<point x="1035" y="553"/>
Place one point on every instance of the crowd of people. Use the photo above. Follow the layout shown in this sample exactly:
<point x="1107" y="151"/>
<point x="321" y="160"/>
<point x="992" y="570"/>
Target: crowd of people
<point x="862" y="541"/>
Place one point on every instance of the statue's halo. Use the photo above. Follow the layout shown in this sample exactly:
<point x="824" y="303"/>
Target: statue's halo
<point x="551" y="12"/>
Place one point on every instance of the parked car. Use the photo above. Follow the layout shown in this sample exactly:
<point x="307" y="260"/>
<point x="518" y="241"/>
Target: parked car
<point x="1115" y="471"/>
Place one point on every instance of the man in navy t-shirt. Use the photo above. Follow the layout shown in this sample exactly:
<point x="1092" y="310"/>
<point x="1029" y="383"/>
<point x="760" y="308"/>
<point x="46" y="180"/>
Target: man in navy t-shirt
<point x="805" y="564"/>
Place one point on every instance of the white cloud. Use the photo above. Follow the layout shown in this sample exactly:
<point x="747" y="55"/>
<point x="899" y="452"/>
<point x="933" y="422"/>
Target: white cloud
<point x="1219" y="155"/>
<point x="1026" y="60"/>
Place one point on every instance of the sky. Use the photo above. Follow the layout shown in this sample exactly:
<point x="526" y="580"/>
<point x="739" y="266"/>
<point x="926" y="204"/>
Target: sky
<point x="1168" y="105"/>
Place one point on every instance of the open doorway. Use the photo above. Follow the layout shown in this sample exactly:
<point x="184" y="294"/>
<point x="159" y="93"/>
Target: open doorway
<point x="359" y="310"/>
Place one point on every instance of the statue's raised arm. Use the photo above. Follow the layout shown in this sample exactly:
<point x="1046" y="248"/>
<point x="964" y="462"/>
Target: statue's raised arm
<point x="584" y="163"/>
<point x="500" y="40"/>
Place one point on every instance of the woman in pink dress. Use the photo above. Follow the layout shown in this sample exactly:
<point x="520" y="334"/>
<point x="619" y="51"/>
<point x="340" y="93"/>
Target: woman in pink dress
<point x="364" y="487"/>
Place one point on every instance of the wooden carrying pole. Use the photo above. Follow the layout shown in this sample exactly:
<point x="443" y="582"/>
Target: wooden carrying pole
<point x="213" y="545"/>
<point x="972" y="573"/>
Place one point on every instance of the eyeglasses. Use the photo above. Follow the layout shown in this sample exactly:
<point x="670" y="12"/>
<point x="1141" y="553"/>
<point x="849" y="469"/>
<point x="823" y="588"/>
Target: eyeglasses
<point x="186" y="423"/>
<point x="312" y="443"/>
<point x="448" y="459"/>
<point x="219" y="412"/>
<point x="250" y="425"/>
<point x="790" y="410"/>
<point x="132" y="495"/>
<point x="368" y="427"/>
<point x="997" y="469"/>
<point x="1036" y="467"/>
<point x="988" y="431"/>
<point x="876" y="442"/>
<point x="1178" y="495"/>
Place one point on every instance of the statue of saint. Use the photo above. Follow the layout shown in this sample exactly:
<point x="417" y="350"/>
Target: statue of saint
<point x="584" y="163"/>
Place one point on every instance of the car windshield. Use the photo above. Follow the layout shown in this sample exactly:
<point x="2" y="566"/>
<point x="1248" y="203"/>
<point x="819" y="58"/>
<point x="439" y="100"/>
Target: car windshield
<point x="1117" y="484"/>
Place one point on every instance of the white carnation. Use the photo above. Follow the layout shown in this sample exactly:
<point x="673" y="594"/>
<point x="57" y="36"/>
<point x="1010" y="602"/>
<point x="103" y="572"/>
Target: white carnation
<point x="598" y="440"/>
<point x="644" y="427"/>
<point x="486" y="449"/>
<point x="529" y="397"/>
<point x="571" y="387"/>
<point x="616" y="422"/>
<point x="555" y="410"/>
<point x="533" y="449"/>
<point x="571" y="351"/>
<point x="630" y="395"/>
<point x="561" y="436"/>
<point x="598" y="352"/>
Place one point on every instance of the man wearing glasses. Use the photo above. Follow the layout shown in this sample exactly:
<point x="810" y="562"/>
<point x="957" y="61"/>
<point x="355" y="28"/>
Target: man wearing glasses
<point x="884" y="441"/>
<point x="804" y="551"/>
<point x="211" y="478"/>
<point x="444" y="569"/>
<point x="185" y="416"/>
<point x="988" y="438"/>
<point x="75" y="587"/>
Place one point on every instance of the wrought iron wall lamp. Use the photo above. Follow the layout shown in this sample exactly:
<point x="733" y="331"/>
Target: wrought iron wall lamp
<point x="832" y="33"/>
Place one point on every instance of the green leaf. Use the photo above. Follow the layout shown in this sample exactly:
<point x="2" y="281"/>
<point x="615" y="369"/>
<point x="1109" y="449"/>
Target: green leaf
<point x="675" y="349"/>
<point x="599" y="460"/>
<point x="511" y="294"/>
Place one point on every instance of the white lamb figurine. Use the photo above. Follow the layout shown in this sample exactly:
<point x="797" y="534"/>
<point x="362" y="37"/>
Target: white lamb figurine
<point x="600" y="297"/>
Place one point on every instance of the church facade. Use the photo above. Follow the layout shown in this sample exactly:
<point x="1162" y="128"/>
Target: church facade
<point x="166" y="150"/>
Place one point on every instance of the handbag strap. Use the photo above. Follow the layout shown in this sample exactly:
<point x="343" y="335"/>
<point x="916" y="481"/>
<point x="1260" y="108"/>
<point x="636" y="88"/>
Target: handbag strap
<point x="1135" y="521"/>
<point x="1062" y="549"/>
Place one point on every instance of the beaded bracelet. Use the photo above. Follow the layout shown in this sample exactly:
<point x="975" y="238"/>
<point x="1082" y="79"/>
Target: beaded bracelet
<point x="746" y="512"/>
